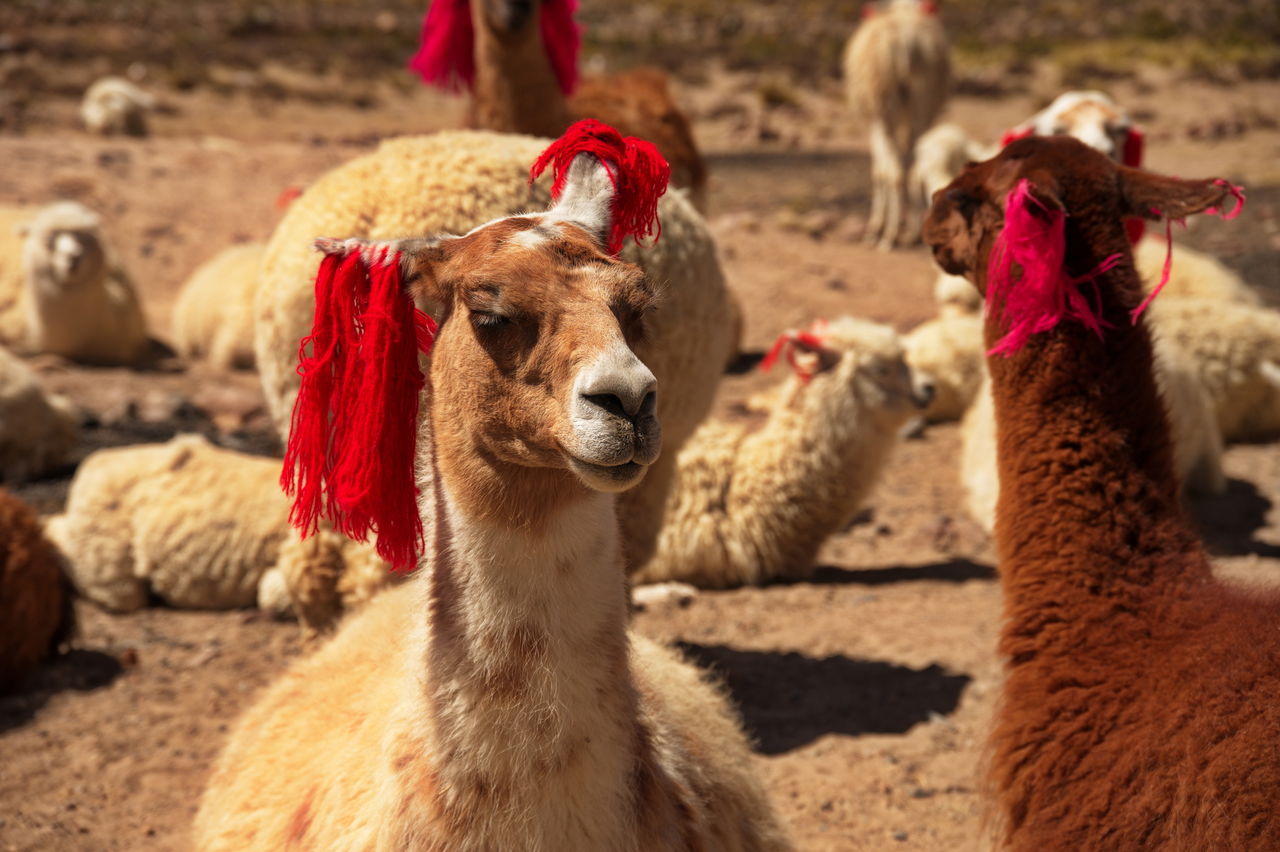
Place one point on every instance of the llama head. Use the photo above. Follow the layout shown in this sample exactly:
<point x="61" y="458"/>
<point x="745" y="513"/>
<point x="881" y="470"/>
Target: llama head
<point x="1004" y="225"/>
<point x="858" y="360"/>
<point x="1092" y="117"/>
<point x="1061" y="177"/>
<point x="62" y="247"/>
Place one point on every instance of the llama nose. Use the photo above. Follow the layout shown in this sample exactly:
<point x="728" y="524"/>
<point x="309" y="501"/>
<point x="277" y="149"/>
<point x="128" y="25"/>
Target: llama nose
<point x="621" y="385"/>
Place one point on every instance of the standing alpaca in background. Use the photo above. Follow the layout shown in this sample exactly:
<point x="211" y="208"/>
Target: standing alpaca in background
<point x="520" y="58"/>
<point x="1141" y="702"/>
<point x="497" y="701"/>
<point x="897" y="70"/>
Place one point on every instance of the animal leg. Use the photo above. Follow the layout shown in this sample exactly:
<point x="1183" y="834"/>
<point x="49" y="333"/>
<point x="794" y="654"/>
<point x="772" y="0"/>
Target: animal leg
<point x="875" y="223"/>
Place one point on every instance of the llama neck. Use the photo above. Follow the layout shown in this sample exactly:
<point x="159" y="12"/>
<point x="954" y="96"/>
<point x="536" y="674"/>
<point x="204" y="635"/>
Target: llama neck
<point x="1088" y="514"/>
<point x="515" y="87"/>
<point x="528" y="709"/>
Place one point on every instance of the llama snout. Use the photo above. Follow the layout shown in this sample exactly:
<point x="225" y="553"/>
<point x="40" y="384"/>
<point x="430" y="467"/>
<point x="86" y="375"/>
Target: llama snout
<point x="613" y="412"/>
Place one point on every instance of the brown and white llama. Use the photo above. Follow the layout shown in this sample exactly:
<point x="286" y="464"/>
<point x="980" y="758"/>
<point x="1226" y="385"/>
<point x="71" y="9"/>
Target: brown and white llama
<point x="519" y="58"/>
<point x="1141" y="703"/>
<point x="497" y="700"/>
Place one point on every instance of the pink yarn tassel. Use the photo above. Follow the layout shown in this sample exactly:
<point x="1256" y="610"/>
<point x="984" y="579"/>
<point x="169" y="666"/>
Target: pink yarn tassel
<point x="1044" y="294"/>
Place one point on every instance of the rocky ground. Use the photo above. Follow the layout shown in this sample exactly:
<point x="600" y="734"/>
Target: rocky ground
<point x="867" y="688"/>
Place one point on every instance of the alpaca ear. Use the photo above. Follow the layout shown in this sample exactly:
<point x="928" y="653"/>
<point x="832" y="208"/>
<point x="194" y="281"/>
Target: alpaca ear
<point x="1151" y="196"/>
<point x="1043" y="190"/>
<point x="587" y="198"/>
<point x="420" y="258"/>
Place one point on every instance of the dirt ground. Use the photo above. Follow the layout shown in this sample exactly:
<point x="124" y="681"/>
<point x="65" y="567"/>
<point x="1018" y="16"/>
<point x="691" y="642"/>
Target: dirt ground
<point x="868" y="689"/>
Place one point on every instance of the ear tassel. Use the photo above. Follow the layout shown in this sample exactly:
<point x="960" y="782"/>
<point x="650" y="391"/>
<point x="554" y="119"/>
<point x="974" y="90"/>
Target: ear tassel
<point x="446" y="53"/>
<point x="1044" y="294"/>
<point x="787" y="341"/>
<point x="639" y="174"/>
<point x="351" y="449"/>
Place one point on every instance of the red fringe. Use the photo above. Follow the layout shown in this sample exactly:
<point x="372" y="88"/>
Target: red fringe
<point x="638" y="172"/>
<point x="446" y="52"/>
<point x="1044" y="294"/>
<point x="352" y="445"/>
<point x="786" y="343"/>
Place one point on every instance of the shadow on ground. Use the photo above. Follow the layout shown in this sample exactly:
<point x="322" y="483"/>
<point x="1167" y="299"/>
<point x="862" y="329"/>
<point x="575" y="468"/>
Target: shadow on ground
<point x="951" y="571"/>
<point x="78" y="670"/>
<point x="1229" y="521"/>
<point x="789" y="700"/>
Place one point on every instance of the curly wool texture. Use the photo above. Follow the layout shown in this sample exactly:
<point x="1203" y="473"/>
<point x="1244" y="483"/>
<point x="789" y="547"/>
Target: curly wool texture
<point x="38" y="430"/>
<point x="213" y="316"/>
<point x="192" y="523"/>
<point x="1230" y="346"/>
<point x="325" y="576"/>
<point x="35" y="604"/>
<point x="1197" y="440"/>
<point x="748" y="506"/>
<point x="949" y="349"/>
<point x="940" y="155"/>
<point x="62" y="291"/>
<point x="452" y="182"/>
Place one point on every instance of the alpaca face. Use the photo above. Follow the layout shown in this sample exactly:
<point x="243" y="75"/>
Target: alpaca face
<point x="1092" y="117"/>
<point x="866" y="361"/>
<point x="64" y="259"/>
<point x="510" y="17"/>
<point x="535" y="351"/>
<point x="1063" y="174"/>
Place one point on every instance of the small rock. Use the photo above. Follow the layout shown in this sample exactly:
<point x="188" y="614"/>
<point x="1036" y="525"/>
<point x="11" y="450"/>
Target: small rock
<point x="900" y="836"/>
<point x="128" y="657"/>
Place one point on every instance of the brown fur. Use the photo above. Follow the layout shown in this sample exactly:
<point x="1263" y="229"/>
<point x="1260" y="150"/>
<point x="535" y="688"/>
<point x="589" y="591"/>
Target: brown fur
<point x="1141" y="707"/>
<point x="35" y="601"/>
<point x="516" y="92"/>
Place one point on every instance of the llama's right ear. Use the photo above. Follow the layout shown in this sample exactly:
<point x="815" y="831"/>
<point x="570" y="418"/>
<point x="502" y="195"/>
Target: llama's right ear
<point x="587" y="198"/>
<point x="1151" y="196"/>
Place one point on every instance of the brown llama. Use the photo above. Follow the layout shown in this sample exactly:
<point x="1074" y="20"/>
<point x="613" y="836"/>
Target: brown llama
<point x="36" y="614"/>
<point x="496" y="701"/>
<point x="1141" y="702"/>
<point x="519" y="57"/>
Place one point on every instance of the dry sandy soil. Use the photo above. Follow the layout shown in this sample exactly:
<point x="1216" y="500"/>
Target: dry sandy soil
<point x="868" y="688"/>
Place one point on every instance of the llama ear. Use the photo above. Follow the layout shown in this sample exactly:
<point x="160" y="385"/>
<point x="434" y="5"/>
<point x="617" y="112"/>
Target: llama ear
<point x="419" y="257"/>
<point x="1151" y="196"/>
<point x="1043" y="191"/>
<point x="587" y="198"/>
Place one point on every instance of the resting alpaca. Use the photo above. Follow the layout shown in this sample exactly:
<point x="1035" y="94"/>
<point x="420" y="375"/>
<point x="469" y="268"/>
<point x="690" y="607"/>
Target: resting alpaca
<point x="750" y="506"/>
<point x="496" y="701"/>
<point x="1141" y="703"/>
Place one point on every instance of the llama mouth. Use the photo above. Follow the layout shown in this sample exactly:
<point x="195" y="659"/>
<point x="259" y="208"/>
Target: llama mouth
<point x="612" y="477"/>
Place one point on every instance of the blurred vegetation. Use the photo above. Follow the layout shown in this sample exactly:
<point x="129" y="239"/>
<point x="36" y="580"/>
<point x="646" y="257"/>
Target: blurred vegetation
<point x="179" y="40"/>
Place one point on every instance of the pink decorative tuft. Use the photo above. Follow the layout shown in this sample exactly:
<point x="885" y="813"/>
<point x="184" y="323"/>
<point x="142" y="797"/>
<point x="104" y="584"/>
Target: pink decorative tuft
<point x="786" y="342"/>
<point x="351" y="451"/>
<point x="446" y="53"/>
<point x="1034" y="239"/>
<point x="1237" y="192"/>
<point x="639" y="174"/>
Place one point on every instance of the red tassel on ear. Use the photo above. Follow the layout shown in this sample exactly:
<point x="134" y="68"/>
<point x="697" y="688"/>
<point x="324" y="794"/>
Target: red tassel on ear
<point x="639" y="174"/>
<point x="351" y="450"/>
<point x="786" y="343"/>
<point x="446" y="52"/>
<point x="1044" y="294"/>
<point x="1014" y="135"/>
<point x="446" y="55"/>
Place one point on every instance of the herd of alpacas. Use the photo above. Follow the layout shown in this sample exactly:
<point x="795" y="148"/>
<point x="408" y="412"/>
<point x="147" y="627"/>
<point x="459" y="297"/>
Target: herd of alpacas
<point x="426" y="280"/>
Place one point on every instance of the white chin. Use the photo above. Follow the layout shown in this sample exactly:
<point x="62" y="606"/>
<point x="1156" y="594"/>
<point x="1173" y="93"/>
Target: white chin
<point x="610" y="478"/>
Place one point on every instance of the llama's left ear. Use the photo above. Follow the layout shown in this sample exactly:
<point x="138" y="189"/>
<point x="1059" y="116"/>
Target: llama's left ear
<point x="418" y="258"/>
<point x="587" y="198"/>
<point x="1152" y="196"/>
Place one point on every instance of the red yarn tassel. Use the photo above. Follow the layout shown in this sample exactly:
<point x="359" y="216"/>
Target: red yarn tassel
<point x="787" y="341"/>
<point x="638" y="172"/>
<point x="351" y="450"/>
<point x="1044" y="294"/>
<point x="446" y="53"/>
<point x="562" y="39"/>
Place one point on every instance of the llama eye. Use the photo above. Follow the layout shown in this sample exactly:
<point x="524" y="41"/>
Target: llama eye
<point x="488" y="319"/>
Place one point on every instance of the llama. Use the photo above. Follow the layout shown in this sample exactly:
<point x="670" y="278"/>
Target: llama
<point x="520" y="59"/>
<point x="114" y="105"/>
<point x="36" y="615"/>
<point x="1141" y="702"/>
<point x="496" y="700"/>
<point x="897" y="70"/>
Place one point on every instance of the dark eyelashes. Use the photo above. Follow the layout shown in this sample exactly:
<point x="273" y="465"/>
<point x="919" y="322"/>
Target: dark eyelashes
<point x="487" y="319"/>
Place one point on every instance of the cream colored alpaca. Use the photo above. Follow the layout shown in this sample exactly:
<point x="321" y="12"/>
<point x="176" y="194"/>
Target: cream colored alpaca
<point x="751" y="505"/>
<point x="897" y="70"/>
<point x="497" y="701"/>
<point x="454" y="182"/>
<point x="213" y="316"/>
